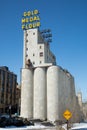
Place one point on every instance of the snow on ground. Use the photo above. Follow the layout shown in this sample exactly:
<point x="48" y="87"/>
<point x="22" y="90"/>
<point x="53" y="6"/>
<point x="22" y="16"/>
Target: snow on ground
<point x="76" y="126"/>
<point x="64" y="127"/>
<point x="37" y="127"/>
<point x="79" y="125"/>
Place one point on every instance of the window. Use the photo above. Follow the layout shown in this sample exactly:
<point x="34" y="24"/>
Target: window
<point x="40" y="47"/>
<point x="34" y="33"/>
<point x="26" y="34"/>
<point x="41" y="54"/>
<point x="33" y="62"/>
<point x="26" y="48"/>
<point x="33" y="54"/>
<point x="26" y="40"/>
<point x="53" y="57"/>
<point x="40" y="62"/>
<point x="26" y="55"/>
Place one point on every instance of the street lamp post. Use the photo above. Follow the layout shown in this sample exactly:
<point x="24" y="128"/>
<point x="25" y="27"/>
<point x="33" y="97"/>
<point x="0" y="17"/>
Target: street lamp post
<point x="10" y="111"/>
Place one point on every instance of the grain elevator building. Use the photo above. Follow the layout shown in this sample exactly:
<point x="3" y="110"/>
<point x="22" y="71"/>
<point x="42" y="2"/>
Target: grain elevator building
<point x="47" y="89"/>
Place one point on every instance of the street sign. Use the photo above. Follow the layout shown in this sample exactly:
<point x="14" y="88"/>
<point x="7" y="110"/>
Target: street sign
<point x="67" y="114"/>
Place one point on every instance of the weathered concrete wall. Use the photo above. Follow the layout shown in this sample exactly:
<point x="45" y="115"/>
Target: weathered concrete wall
<point x="47" y="93"/>
<point x="39" y="104"/>
<point x="27" y="93"/>
<point x="52" y="93"/>
<point x="60" y="93"/>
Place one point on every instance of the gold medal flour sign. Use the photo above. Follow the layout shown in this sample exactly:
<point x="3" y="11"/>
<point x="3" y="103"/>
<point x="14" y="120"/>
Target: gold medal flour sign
<point x="67" y="114"/>
<point x="30" y="20"/>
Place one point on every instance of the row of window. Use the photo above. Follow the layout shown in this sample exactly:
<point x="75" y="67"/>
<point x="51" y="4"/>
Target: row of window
<point x="34" y="62"/>
<point x="39" y="47"/>
<point x="9" y="98"/>
<point x="27" y="34"/>
<point x="40" y="54"/>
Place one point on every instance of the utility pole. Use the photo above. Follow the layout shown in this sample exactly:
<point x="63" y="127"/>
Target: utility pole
<point x="67" y="124"/>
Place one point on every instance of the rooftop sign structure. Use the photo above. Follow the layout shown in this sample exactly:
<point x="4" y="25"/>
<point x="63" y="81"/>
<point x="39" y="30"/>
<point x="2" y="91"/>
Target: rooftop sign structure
<point x="30" y="20"/>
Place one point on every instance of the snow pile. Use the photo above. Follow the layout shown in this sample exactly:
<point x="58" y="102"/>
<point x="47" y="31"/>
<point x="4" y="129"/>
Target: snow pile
<point x="64" y="126"/>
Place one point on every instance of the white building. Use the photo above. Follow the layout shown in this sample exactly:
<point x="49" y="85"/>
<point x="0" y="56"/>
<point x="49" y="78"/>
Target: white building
<point x="36" y="49"/>
<point x="47" y="89"/>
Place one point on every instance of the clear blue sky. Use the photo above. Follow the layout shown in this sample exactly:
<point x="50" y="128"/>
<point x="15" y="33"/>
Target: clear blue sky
<point x="68" y="21"/>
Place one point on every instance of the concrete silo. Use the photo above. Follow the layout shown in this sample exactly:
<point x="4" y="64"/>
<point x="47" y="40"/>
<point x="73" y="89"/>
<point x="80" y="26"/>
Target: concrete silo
<point x="39" y="93"/>
<point x="27" y="93"/>
<point x="52" y="93"/>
